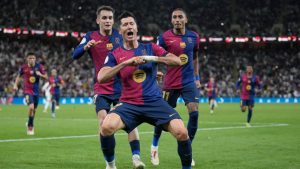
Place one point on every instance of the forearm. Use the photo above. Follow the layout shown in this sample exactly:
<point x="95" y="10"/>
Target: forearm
<point x="170" y="59"/>
<point x="196" y="66"/>
<point x="78" y="52"/>
<point x="107" y="73"/>
<point x="17" y="81"/>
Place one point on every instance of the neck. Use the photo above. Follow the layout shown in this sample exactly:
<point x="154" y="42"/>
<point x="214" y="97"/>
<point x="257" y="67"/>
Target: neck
<point x="179" y="31"/>
<point x="105" y="32"/>
<point x="131" y="44"/>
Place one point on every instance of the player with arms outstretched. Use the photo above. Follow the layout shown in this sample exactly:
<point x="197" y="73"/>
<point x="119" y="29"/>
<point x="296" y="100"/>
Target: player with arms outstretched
<point x="247" y="82"/>
<point x="141" y="99"/>
<point x="180" y="81"/>
<point x="98" y="44"/>
<point x="31" y="72"/>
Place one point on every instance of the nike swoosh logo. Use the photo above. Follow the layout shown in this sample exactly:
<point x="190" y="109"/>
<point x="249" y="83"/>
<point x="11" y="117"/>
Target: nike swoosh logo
<point x="172" y="114"/>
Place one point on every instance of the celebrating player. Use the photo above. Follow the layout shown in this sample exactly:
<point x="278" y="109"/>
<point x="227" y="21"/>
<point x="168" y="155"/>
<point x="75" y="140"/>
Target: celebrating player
<point x="56" y="82"/>
<point x="31" y="72"/>
<point x="140" y="100"/>
<point x="211" y="89"/>
<point x="183" y="80"/>
<point x="249" y="81"/>
<point x="98" y="44"/>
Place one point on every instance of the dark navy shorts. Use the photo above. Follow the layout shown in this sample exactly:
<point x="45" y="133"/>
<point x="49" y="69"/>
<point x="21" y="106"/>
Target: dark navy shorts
<point x="189" y="93"/>
<point x="56" y="97"/>
<point x="247" y="102"/>
<point x="103" y="102"/>
<point x="156" y="113"/>
<point x="32" y="99"/>
<point x="211" y="97"/>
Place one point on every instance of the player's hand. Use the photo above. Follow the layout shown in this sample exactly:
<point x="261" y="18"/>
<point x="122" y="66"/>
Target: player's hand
<point x="90" y="44"/>
<point x="134" y="61"/>
<point x="38" y="73"/>
<point x="15" y="88"/>
<point x="198" y="84"/>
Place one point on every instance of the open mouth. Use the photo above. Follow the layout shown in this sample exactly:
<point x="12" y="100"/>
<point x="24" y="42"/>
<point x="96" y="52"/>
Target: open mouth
<point x="129" y="34"/>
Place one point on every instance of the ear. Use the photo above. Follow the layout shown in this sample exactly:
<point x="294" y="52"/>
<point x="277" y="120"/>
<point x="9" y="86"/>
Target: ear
<point x="97" y="20"/>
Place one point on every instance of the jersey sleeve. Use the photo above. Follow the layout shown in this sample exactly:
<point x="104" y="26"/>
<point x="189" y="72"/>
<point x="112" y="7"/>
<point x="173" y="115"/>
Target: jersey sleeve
<point x="79" y="50"/>
<point x="21" y="71"/>
<point x="158" y="50"/>
<point x="160" y="41"/>
<point x="61" y="81"/>
<point x="238" y="83"/>
<point x="110" y="61"/>
<point x="42" y="69"/>
<point x="197" y="42"/>
<point x="258" y="82"/>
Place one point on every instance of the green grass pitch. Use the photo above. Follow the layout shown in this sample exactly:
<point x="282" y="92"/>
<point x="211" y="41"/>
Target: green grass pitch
<point x="222" y="141"/>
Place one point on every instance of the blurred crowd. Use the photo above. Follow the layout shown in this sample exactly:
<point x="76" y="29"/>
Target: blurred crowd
<point x="278" y="68"/>
<point x="208" y="17"/>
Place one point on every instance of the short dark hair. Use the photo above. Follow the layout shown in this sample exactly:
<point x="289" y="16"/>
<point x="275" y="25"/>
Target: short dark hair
<point x="126" y="14"/>
<point x="104" y="8"/>
<point x="180" y="9"/>
<point x="30" y="53"/>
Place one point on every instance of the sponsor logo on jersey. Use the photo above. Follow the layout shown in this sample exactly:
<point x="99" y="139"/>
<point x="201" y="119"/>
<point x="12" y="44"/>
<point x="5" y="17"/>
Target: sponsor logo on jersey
<point x="248" y="87"/>
<point x="183" y="58"/>
<point x="32" y="79"/>
<point x="139" y="76"/>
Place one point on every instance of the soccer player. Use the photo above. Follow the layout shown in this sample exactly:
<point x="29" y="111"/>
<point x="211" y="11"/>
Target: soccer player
<point x="211" y="89"/>
<point x="248" y="82"/>
<point x="46" y="89"/>
<point x="31" y="72"/>
<point x="180" y="81"/>
<point x="56" y="82"/>
<point x="98" y="44"/>
<point x="141" y="99"/>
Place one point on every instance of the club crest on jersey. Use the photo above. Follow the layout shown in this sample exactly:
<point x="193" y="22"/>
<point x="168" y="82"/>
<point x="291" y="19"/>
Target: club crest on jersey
<point x="190" y="40"/>
<point x="117" y="40"/>
<point x="144" y="52"/>
<point x="139" y="76"/>
<point x="32" y="79"/>
<point x="248" y="87"/>
<point x="109" y="46"/>
<point x="182" y="45"/>
<point x="183" y="58"/>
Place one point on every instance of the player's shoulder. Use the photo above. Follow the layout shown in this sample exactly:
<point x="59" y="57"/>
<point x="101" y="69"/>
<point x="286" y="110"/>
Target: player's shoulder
<point x="116" y="33"/>
<point x="167" y="33"/>
<point x="192" y="33"/>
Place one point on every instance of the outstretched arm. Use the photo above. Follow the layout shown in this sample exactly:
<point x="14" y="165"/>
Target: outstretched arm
<point x="17" y="82"/>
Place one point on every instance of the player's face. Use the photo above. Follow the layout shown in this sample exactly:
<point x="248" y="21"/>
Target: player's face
<point x="249" y="69"/>
<point x="105" y="20"/>
<point x="31" y="60"/>
<point x="128" y="29"/>
<point x="178" y="19"/>
<point x="53" y="72"/>
<point x="212" y="80"/>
